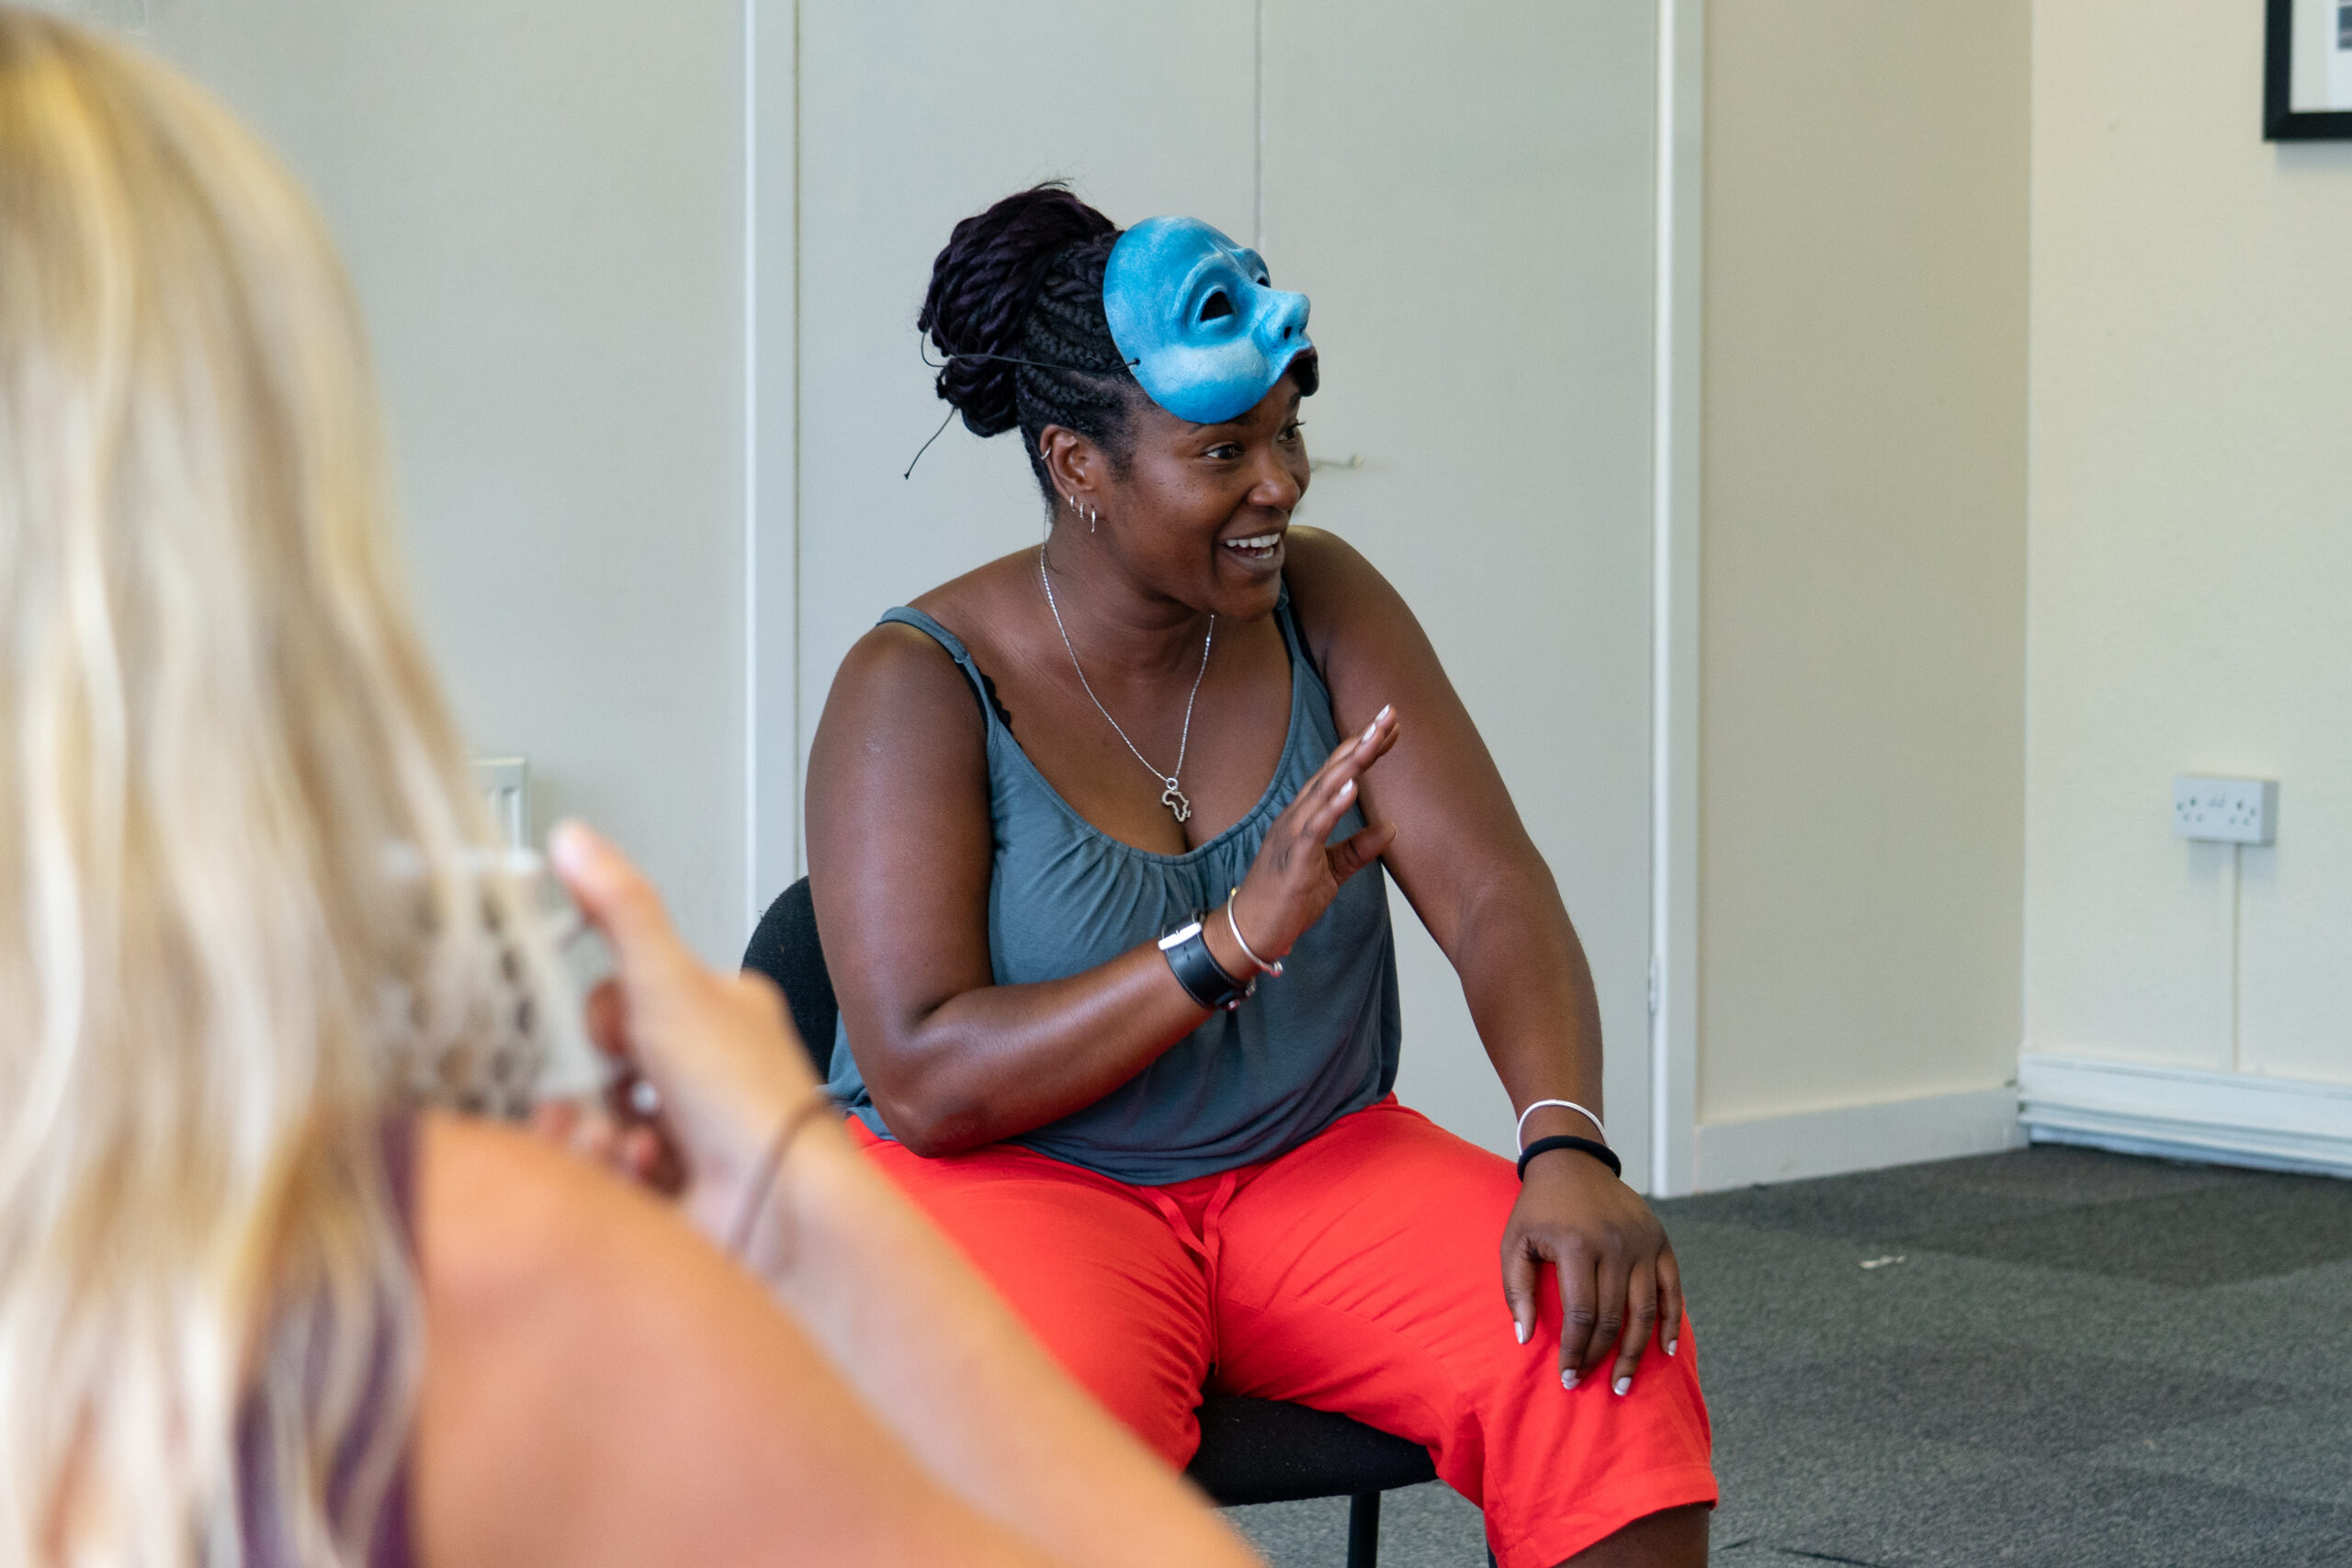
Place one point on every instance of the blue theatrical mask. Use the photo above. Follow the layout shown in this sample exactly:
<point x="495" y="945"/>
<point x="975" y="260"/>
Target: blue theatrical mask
<point x="1192" y="314"/>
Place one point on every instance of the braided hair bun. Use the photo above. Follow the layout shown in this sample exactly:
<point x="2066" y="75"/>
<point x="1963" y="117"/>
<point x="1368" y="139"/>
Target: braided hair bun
<point x="1023" y="281"/>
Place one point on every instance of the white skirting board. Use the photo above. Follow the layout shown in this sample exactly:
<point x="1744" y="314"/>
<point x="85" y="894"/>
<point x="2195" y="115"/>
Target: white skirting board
<point x="1857" y="1137"/>
<point x="2180" y="1113"/>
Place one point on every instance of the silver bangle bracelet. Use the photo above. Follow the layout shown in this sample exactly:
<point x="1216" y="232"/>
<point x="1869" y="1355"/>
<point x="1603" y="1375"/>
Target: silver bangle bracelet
<point x="1276" y="968"/>
<point x="1565" y="1105"/>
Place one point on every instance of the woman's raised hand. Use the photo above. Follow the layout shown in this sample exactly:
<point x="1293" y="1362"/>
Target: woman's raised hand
<point x="1298" y="870"/>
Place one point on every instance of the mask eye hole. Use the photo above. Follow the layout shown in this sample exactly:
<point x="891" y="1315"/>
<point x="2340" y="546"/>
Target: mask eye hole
<point x="1215" y="307"/>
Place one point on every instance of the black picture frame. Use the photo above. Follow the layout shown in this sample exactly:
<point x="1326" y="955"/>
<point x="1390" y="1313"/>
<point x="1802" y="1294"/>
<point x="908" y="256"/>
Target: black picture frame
<point x="2280" y="122"/>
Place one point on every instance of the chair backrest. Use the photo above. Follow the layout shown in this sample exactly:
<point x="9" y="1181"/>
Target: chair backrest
<point x="787" y="949"/>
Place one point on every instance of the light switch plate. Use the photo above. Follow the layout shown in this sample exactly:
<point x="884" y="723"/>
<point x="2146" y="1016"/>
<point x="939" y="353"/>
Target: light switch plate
<point x="506" y="785"/>
<point x="2225" y="811"/>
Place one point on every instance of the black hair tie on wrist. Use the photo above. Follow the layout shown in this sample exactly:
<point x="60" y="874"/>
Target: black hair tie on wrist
<point x="1600" y="1152"/>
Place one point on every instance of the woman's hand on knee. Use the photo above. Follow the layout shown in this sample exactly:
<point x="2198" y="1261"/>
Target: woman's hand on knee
<point x="1619" y="1283"/>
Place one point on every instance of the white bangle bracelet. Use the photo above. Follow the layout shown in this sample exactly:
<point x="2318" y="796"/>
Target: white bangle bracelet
<point x="1276" y="968"/>
<point x="1564" y="1104"/>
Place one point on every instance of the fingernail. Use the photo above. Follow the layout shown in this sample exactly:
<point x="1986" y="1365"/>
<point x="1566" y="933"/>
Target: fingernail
<point x="1371" y="729"/>
<point x="565" y="845"/>
<point x="1521" y="1330"/>
<point x="1347" y="789"/>
<point x="1568" y="1378"/>
<point x="1625" y="1386"/>
<point x="1670" y="1344"/>
<point x="1385" y="710"/>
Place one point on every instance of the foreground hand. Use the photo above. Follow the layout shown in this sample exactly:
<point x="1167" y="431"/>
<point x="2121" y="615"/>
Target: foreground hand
<point x="718" y="1049"/>
<point x="1619" y="1281"/>
<point x="603" y="1134"/>
<point x="1298" y="870"/>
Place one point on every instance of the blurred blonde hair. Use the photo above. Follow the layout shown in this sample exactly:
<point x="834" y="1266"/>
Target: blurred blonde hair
<point x="243" y="908"/>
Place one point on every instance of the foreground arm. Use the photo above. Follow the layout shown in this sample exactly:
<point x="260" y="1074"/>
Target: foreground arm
<point x="602" y="1387"/>
<point x="912" y="1328"/>
<point x="1465" y="861"/>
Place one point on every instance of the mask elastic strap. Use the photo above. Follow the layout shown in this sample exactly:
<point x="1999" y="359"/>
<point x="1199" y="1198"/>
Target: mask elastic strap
<point x="1035" y="363"/>
<point x="926" y="446"/>
<point x="1001" y="359"/>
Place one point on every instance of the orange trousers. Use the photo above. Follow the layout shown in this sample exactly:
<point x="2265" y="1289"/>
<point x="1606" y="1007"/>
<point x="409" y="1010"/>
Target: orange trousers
<point x="1360" y="1272"/>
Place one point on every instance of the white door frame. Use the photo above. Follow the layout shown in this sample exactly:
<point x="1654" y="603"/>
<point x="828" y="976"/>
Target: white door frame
<point x="771" y="720"/>
<point x="1674" y="615"/>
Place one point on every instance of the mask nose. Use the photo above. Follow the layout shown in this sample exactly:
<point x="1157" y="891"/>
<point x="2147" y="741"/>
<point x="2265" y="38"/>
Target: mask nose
<point x="1283" y="322"/>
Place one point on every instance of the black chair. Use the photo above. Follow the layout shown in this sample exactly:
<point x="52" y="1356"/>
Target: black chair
<point x="1252" y="1450"/>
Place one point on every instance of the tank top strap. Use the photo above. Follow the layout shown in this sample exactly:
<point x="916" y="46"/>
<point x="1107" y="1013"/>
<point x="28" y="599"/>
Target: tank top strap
<point x="906" y="616"/>
<point x="1292" y="636"/>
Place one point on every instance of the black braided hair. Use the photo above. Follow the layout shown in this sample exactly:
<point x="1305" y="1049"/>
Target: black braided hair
<point x="1024" y="280"/>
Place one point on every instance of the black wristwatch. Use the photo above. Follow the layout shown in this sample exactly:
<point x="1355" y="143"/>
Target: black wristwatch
<point x="1197" y="970"/>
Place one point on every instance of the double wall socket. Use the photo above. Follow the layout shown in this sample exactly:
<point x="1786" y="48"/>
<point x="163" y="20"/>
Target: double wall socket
<point x="2225" y="811"/>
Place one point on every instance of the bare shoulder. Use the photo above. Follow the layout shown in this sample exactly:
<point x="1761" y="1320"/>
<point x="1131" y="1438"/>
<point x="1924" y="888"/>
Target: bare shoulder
<point x="900" y="671"/>
<point x="501" y="1215"/>
<point x="1344" y="605"/>
<point x="955" y="603"/>
<point x="527" y="1254"/>
<point x="555" y="1298"/>
<point x="601" y="1385"/>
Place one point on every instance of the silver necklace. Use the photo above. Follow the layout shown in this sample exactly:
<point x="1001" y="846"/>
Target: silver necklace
<point x="1171" y="796"/>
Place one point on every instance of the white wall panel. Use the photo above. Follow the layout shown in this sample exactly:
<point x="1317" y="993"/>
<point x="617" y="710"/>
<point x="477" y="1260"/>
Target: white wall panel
<point x="1862" y="711"/>
<point x="541" y="207"/>
<point x="1470" y="206"/>
<point x="2190" y="552"/>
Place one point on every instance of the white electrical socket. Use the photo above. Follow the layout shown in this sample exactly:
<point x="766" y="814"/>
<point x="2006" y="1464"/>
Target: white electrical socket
<point x="2225" y="811"/>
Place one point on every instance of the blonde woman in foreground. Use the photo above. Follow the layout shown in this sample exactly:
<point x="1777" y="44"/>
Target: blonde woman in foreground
<point x="259" y="1302"/>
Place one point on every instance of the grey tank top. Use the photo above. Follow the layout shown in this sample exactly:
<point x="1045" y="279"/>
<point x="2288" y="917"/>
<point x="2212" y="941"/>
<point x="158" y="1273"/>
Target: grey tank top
<point x="1066" y="897"/>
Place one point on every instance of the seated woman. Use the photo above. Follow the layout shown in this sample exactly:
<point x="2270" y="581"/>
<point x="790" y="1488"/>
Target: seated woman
<point x="259" y="1300"/>
<point x="1092" y="836"/>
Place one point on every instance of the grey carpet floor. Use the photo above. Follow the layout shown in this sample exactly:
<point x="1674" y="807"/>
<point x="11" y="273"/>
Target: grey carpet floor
<point x="2052" y="1357"/>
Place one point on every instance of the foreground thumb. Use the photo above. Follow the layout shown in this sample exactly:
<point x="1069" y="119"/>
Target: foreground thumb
<point x="614" y="895"/>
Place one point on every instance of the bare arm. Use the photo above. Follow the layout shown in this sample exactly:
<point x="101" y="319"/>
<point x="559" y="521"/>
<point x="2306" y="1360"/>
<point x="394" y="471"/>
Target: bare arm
<point x="901" y="850"/>
<point x="1464" y="861"/>
<point x="1460" y="855"/>
<point x="601" y="1387"/>
<point x="925" y="1343"/>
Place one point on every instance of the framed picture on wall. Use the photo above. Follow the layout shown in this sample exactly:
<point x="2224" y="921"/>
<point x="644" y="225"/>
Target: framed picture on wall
<point x="2307" y="71"/>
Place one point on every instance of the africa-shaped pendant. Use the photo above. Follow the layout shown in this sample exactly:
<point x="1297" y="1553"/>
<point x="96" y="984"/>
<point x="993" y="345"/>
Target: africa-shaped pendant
<point x="1170" y="795"/>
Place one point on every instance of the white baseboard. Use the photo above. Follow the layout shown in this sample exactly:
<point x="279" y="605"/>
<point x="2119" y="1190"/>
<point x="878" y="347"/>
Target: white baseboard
<point x="2179" y="1113"/>
<point x="1857" y="1137"/>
